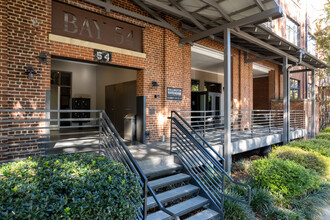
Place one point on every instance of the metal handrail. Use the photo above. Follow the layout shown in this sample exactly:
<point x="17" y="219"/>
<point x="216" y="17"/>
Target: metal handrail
<point x="104" y="135"/>
<point x="197" y="156"/>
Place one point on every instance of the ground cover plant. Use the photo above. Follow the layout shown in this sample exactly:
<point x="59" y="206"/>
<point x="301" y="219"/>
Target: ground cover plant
<point x="78" y="186"/>
<point x="292" y="183"/>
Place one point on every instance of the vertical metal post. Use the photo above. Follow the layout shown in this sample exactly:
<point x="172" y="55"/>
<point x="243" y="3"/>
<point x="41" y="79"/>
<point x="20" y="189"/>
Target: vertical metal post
<point x="204" y="124"/>
<point x="171" y="132"/>
<point x="286" y="101"/>
<point x="313" y="104"/>
<point x="270" y="121"/>
<point x="227" y="107"/>
<point x="100" y="131"/>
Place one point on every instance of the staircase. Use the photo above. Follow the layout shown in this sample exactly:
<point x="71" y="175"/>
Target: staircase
<point x="177" y="191"/>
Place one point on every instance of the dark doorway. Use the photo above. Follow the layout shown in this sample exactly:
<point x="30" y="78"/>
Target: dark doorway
<point x="120" y="100"/>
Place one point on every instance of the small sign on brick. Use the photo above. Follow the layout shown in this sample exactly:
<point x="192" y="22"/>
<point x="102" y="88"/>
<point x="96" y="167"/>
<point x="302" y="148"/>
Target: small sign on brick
<point x="174" y="93"/>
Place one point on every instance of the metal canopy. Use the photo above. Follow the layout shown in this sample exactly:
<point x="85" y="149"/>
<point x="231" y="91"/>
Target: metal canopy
<point x="209" y="18"/>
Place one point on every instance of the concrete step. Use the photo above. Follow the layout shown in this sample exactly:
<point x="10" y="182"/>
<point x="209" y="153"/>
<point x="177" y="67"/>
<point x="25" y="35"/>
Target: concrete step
<point x="172" y="195"/>
<point x="170" y="180"/>
<point x="161" y="170"/>
<point x="181" y="208"/>
<point x="207" y="214"/>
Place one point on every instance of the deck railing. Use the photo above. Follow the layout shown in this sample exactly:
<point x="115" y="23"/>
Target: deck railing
<point x="244" y="123"/>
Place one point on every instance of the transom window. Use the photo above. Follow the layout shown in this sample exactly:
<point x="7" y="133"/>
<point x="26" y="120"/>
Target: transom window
<point x="292" y="31"/>
<point x="194" y="85"/>
<point x="294" y="89"/>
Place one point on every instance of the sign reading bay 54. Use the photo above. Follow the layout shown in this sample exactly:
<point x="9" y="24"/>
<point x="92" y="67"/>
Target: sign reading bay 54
<point x="77" y="23"/>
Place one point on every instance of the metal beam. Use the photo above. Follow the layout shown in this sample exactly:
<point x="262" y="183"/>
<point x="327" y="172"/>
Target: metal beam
<point x="313" y="105"/>
<point x="269" y="47"/>
<point x="188" y="15"/>
<point x="302" y="70"/>
<point x="261" y="59"/>
<point x="155" y="15"/>
<point x="244" y="21"/>
<point x="286" y="101"/>
<point x="214" y="4"/>
<point x="227" y="107"/>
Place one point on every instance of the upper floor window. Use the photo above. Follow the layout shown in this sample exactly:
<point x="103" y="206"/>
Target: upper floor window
<point x="292" y="31"/>
<point x="311" y="45"/>
<point x="294" y="89"/>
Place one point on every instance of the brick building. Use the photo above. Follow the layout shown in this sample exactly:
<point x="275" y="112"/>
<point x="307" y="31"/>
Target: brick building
<point x="95" y="54"/>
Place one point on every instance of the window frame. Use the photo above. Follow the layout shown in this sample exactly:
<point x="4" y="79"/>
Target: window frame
<point x="294" y="90"/>
<point x="290" y="26"/>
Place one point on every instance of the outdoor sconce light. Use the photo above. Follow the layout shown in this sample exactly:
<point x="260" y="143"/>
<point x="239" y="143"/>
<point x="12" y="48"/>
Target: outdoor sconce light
<point x="30" y="71"/>
<point x="155" y="84"/>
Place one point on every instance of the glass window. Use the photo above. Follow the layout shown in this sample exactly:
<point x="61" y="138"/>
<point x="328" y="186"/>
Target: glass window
<point x="292" y="31"/>
<point x="311" y="45"/>
<point x="309" y="91"/>
<point x="294" y="89"/>
<point x="194" y="85"/>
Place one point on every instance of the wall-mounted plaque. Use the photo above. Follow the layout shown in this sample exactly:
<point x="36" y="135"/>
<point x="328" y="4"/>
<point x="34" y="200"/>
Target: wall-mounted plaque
<point x="102" y="56"/>
<point x="174" y="93"/>
<point x="81" y="24"/>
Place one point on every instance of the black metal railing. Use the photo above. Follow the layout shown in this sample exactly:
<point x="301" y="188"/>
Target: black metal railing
<point x="244" y="123"/>
<point x="25" y="133"/>
<point x="202" y="161"/>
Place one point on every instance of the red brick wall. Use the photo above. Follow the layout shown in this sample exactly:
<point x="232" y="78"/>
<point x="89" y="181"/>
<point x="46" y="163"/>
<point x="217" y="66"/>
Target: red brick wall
<point x="261" y="93"/>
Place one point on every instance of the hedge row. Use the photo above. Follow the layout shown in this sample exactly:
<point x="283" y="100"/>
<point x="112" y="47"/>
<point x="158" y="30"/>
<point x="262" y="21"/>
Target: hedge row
<point x="78" y="186"/>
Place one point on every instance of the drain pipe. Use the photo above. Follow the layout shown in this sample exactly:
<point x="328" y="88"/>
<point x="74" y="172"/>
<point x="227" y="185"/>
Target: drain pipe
<point x="301" y="52"/>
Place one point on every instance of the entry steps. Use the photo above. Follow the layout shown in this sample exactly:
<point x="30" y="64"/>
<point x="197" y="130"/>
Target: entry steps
<point x="176" y="191"/>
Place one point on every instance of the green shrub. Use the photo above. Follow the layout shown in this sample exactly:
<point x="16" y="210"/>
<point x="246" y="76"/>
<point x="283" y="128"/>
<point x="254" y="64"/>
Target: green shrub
<point x="323" y="135"/>
<point x="327" y="129"/>
<point x="312" y="205"/>
<point x="318" y="145"/>
<point x="284" y="176"/>
<point x="283" y="214"/>
<point x="308" y="159"/>
<point x="236" y="210"/>
<point x="261" y="200"/>
<point x="79" y="186"/>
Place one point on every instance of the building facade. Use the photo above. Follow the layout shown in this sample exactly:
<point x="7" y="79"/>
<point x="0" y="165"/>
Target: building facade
<point x="76" y="53"/>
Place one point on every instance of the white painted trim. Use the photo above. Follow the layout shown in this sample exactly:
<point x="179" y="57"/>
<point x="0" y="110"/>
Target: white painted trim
<point x="262" y="68"/>
<point x="206" y="71"/>
<point x="197" y="48"/>
<point x="77" y="42"/>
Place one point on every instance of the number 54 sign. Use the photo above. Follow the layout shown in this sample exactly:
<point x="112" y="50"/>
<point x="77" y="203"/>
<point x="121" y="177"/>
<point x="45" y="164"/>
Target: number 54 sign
<point x="102" y="56"/>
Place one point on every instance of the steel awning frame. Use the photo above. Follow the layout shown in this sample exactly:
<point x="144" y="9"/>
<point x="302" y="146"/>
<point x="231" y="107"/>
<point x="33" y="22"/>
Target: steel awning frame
<point x="247" y="33"/>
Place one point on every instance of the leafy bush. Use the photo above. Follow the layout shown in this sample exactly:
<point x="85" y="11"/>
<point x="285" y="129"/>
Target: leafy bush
<point x="308" y="159"/>
<point x="318" y="145"/>
<point x="323" y="135"/>
<point x="327" y="129"/>
<point x="284" y="177"/>
<point x="79" y="186"/>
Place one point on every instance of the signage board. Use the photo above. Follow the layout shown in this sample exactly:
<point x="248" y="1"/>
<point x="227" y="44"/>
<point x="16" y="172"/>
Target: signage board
<point x="174" y="93"/>
<point x="102" y="56"/>
<point x="73" y="22"/>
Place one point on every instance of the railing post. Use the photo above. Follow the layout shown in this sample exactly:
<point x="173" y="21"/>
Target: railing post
<point x="227" y="97"/>
<point x="270" y="121"/>
<point x="204" y="122"/>
<point x="100" y="131"/>
<point x="286" y="102"/>
<point x="294" y="120"/>
<point x="251" y="122"/>
<point x="145" y="199"/>
<point x="171" y="132"/>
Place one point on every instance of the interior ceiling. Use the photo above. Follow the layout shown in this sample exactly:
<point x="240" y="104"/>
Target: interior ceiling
<point x="206" y="63"/>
